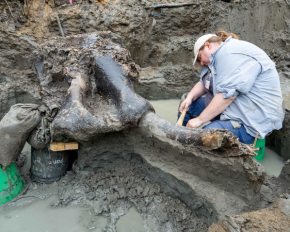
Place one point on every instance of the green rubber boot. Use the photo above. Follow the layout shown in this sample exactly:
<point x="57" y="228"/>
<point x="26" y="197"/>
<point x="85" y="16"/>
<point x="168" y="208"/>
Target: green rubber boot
<point x="11" y="183"/>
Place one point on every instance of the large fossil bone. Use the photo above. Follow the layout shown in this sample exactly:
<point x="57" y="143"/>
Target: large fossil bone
<point x="100" y="97"/>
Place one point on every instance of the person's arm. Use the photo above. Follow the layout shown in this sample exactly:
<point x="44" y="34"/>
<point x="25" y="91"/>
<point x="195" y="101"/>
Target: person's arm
<point x="236" y="74"/>
<point x="196" y="92"/>
<point x="217" y="105"/>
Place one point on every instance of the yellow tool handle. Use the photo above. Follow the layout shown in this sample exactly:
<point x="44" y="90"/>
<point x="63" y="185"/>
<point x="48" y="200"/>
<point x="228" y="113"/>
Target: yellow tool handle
<point x="181" y="118"/>
<point x="256" y="139"/>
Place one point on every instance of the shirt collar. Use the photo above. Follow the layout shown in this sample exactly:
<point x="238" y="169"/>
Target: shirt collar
<point x="213" y="55"/>
<point x="204" y="70"/>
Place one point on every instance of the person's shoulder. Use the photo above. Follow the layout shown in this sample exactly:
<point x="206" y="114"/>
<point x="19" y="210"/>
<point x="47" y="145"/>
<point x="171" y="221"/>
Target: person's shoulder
<point x="237" y="46"/>
<point x="236" y="43"/>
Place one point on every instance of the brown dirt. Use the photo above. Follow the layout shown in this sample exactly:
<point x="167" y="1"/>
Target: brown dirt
<point x="266" y="220"/>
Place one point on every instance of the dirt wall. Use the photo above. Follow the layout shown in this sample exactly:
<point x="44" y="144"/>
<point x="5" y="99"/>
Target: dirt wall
<point x="162" y="46"/>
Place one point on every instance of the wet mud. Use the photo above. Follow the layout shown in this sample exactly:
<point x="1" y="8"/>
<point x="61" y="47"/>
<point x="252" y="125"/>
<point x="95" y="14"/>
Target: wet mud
<point x="124" y="185"/>
<point x="110" y="177"/>
<point x="119" y="171"/>
<point x="111" y="190"/>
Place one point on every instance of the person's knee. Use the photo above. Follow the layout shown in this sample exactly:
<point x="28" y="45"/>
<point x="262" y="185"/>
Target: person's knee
<point x="248" y="140"/>
<point x="214" y="125"/>
<point x="245" y="137"/>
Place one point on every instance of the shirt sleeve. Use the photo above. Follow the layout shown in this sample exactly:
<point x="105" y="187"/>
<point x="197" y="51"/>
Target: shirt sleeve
<point x="236" y="74"/>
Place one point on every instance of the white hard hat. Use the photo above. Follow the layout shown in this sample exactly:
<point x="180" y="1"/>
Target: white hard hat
<point x="198" y="44"/>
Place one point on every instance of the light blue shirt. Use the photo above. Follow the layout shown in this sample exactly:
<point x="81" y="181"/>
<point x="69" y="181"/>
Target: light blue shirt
<point x="243" y="70"/>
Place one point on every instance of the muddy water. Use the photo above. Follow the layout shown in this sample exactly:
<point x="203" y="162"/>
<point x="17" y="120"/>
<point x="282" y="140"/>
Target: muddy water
<point x="272" y="162"/>
<point x="132" y="221"/>
<point x="29" y="214"/>
<point x="167" y="109"/>
<point x="40" y="217"/>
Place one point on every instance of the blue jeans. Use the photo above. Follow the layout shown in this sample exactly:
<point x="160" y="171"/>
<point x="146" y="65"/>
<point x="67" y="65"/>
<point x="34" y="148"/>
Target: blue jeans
<point x="198" y="106"/>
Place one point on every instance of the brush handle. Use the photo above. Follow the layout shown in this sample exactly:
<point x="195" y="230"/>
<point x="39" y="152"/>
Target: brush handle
<point x="256" y="139"/>
<point x="181" y="118"/>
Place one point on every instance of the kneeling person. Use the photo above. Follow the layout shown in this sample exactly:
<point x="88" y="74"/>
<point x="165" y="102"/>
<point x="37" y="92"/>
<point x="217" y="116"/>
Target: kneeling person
<point x="239" y="88"/>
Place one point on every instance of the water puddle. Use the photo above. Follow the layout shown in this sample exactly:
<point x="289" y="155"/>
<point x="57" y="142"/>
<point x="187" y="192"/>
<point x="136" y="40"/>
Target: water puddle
<point x="167" y="109"/>
<point x="132" y="222"/>
<point x="40" y="217"/>
<point x="272" y="162"/>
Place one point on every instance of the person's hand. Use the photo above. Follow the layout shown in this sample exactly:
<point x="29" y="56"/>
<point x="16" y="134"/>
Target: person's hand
<point x="194" y="123"/>
<point x="185" y="105"/>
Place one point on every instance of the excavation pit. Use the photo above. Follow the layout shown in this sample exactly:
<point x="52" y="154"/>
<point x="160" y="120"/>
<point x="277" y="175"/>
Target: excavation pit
<point x="177" y="179"/>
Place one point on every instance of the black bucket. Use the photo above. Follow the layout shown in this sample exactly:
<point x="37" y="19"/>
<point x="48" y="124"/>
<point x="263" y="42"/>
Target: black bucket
<point x="48" y="166"/>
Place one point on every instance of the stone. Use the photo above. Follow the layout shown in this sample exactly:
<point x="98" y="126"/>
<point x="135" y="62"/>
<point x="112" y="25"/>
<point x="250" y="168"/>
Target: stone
<point x="91" y="195"/>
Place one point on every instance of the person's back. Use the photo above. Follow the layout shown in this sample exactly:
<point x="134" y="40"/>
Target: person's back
<point x="244" y="70"/>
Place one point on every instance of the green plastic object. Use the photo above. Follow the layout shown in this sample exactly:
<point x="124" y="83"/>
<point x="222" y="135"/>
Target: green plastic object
<point x="11" y="183"/>
<point x="261" y="153"/>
